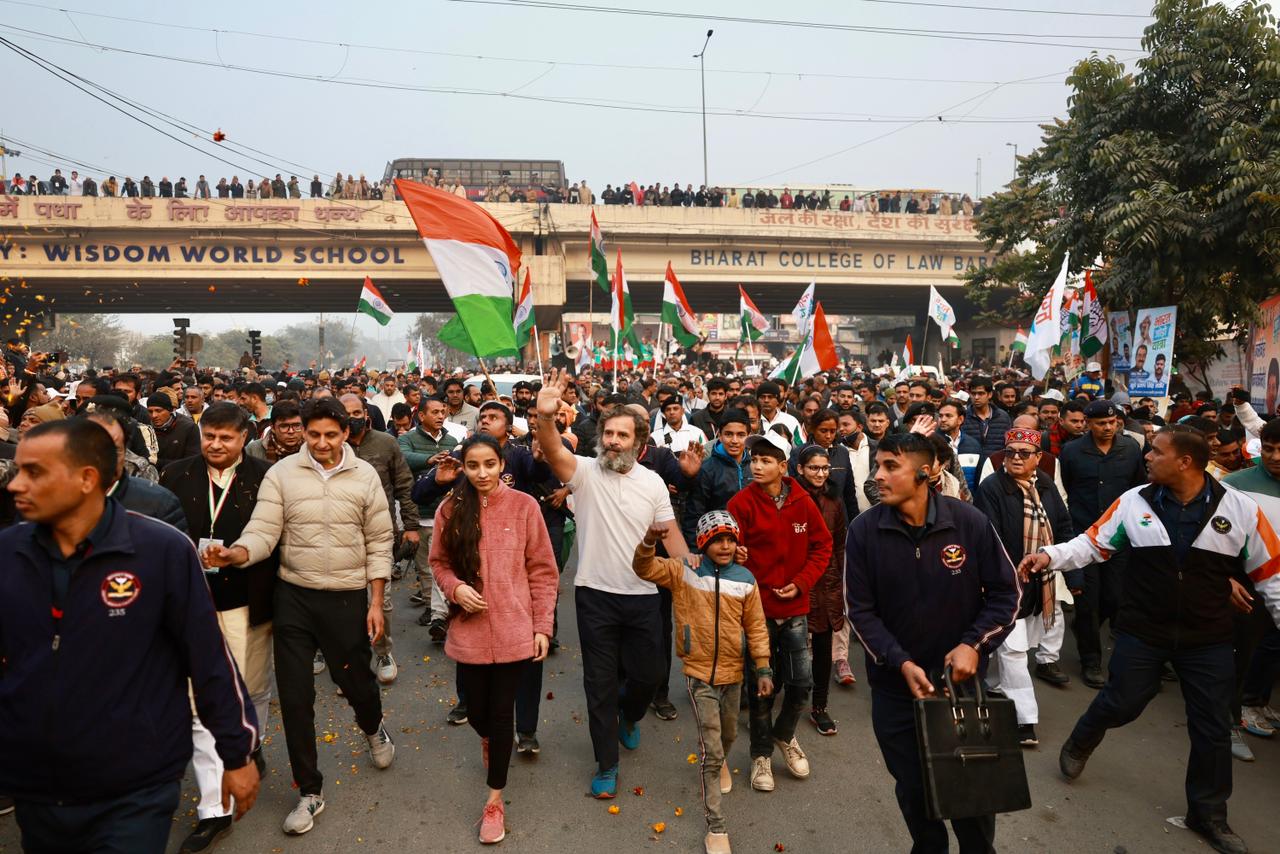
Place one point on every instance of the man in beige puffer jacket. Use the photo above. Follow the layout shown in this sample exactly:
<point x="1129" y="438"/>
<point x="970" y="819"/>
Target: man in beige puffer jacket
<point x="327" y="510"/>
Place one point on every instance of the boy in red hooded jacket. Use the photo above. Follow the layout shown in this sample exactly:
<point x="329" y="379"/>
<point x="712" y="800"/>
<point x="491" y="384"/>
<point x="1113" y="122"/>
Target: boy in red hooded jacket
<point x="788" y="548"/>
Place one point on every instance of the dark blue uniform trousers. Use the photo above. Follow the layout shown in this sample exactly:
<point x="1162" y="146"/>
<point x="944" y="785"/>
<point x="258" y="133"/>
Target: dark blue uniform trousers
<point x="136" y="823"/>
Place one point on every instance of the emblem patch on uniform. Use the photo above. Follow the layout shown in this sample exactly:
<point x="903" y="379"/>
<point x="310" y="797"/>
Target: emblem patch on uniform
<point x="800" y="527"/>
<point x="120" y="589"/>
<point x="1221" y="524"/>
<point x="1146" y="519"/>
<point x="953" y="556"/>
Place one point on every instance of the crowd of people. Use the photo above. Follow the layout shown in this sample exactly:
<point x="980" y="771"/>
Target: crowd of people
<point x="75" y="184"/>
<point x="757" y="530"/>
<point x="353" y="187"/>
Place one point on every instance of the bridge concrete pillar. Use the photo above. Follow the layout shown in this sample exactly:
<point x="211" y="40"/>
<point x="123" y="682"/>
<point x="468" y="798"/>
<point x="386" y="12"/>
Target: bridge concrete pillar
<point x="548" y="275"/>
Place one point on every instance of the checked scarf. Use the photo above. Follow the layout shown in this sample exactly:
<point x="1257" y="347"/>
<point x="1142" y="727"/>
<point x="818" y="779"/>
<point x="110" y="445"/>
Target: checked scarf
<point x="1036" y="533"/>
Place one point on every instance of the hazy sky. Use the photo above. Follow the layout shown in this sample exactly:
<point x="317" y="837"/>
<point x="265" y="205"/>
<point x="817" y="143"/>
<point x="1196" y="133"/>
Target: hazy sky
<point x="788" y="104"/>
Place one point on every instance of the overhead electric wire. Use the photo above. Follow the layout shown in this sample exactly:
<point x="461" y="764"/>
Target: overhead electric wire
<point x="1010" y="9"/>
<point x="477" y="57"/>
<point x="596" y="103"/>
<point x="950" y="35"/>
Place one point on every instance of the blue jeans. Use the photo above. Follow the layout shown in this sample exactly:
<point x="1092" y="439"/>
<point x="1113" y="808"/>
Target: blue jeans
<point x="1206" y="675"/>
<point x="792" y="678"/>
<point x="136" y="823"/>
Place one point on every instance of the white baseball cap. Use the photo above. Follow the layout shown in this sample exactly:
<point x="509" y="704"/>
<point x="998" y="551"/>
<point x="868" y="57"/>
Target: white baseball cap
<point x="1092" y="366"/>
<point x="1052" y="394"/>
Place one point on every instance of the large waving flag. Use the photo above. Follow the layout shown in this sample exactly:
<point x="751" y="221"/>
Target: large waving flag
<point x="372" y="303"/>
<point x="599" y="263"/>
<point x="478" y="262"/>
<point x="816" y="354"/>
<point x="676" y="311"/>
<point x="523" y="321"/>
<point x="1046" y="331"/>
<point x="753" y="322"/>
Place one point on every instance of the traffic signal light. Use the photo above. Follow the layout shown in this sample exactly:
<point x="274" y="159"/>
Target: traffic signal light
<point x="180" y="344"/>
<point x="255" y="346"/>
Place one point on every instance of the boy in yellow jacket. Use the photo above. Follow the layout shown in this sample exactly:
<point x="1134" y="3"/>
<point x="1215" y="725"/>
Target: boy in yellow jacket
<point x="715" y="602"/>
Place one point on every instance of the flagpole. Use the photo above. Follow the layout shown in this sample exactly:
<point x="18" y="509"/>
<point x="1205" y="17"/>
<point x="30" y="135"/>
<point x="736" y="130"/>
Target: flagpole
<point x="352" y="336"/>
<point x="537" y="346"/>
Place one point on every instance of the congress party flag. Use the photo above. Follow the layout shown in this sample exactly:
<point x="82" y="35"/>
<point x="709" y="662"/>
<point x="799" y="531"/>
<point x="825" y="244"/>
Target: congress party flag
<point x="908" y="354"/>
<point x="1020" y="341"/>
<point x="478" y="262"/>
<point x="1093" y="329"/>
<point x="1046" y="329"/>
<point x="941" y="313"/>
<point x="816" y="354"/>
<point x="372" y="303"/>
<point x="803" y="312"/>
<point x="676" y="311"/>
<point x="599" y="263"/>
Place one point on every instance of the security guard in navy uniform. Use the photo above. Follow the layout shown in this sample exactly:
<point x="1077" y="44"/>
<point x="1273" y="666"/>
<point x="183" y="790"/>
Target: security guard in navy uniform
<point x="1187" y="537"/>
<point x="920" y="553"/>
<point x="104" y="617"/>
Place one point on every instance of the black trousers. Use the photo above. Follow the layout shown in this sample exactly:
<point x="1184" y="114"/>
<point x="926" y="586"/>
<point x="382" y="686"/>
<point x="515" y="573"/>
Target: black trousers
<point x="528" y="695"/>
<point x="1249" y="630"/>
<point x="821" y="646"/>
<point x="334" y="622"/>
<point x="136" y="823"/>
<point x="893" y="720"/>
<point x="1098" y="603"/>
<point x="617" y="631"/>
<point x="491" y="693"/>
<point x="664" y="608"/>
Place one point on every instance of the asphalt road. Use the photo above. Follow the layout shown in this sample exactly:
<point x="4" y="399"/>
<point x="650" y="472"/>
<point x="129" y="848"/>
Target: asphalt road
<point x="430" y="799"/>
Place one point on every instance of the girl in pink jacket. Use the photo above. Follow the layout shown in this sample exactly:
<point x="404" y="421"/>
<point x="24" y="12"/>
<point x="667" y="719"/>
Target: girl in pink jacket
<point x="492" y="558"/>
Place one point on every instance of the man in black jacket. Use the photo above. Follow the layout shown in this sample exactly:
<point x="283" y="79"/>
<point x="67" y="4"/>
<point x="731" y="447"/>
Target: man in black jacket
<point x="178" y="437"/>
<point x="95" y="726"/>
<point x="1096" y="469"/>
<point x="218" y="489"/>
<point x="134" y="493"/>
<point x="1189" y="539"/>
<point x="918" y="553"/>
<point x="710" y="418"/>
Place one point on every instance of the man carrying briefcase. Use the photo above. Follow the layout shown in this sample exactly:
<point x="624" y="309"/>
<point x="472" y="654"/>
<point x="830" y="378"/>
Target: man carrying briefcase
<point x="929" y="586"/>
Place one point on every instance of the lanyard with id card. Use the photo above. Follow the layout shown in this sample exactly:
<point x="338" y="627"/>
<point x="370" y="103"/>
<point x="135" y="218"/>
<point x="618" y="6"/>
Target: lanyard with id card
<point x="215" y="510"/>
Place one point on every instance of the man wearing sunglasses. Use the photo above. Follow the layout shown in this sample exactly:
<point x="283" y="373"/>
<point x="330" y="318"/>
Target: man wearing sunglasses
<point x="1027" y="512"/>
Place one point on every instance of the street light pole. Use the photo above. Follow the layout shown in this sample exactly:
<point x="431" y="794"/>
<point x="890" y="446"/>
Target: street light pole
<point x="702" y="68"/>
<point x="1014" y="146"/>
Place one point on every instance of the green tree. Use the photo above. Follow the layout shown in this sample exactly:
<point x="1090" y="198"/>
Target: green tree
<point x="96" y="338"/>
<point x="1170" y="174"/>
<point x="428" y="326"/>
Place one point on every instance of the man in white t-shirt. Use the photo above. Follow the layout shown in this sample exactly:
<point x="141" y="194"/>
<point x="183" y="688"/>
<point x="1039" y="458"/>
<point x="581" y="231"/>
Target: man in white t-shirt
<point x="772" y="415"/>
<point x="615" y="502"/>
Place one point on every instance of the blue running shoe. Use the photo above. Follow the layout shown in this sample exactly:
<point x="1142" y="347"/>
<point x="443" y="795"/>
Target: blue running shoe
<point x="628" y="733"/>
<point x="604" y="784"/>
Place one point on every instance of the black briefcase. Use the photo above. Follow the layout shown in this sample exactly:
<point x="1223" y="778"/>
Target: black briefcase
<point x="970" y="755"/>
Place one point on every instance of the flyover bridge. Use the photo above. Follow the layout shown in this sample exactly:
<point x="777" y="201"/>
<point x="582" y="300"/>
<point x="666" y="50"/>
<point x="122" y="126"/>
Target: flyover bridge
<point x="85" y="254"/>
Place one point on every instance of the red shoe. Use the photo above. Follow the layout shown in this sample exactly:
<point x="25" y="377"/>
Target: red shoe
<point x="484" y="754"/>
<point x="493" y="827"/>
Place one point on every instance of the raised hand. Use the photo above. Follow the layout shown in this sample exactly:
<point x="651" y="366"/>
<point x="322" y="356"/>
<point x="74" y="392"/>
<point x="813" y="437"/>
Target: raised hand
<point x="550" y="394"/>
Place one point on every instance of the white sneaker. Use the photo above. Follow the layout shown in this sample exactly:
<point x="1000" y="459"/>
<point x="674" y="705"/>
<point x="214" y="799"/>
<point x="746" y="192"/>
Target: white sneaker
<point x="797" y="762"/>
<point x="386" y="669"/>
<point x="726" y="778"/>
<point x="1272" y="716"/>
<point x="317" y="663"/>
<point x="303" y="816"/>
<point x="1255" y="722"/>
<point x="761" y="774"/>
<point x="381" y="748"/>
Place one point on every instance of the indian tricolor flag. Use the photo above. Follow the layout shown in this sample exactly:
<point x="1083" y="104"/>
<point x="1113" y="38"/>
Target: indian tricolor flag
<point x="477" y="260"/>
<point x="753" y="322"/>
<point x="523" y="321"/>
<point x="908" y="354"/>
<point x="1020" y="341"/>
<point x="620" y="314"/>
<point x="599" y="263"/>
<point x="816" y="354"/>
<point x="676" y="311"/>
<point x="372" y="303"/>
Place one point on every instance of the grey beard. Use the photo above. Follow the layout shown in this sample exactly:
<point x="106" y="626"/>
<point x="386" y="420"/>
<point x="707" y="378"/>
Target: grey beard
<point x="621" y="463"/>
